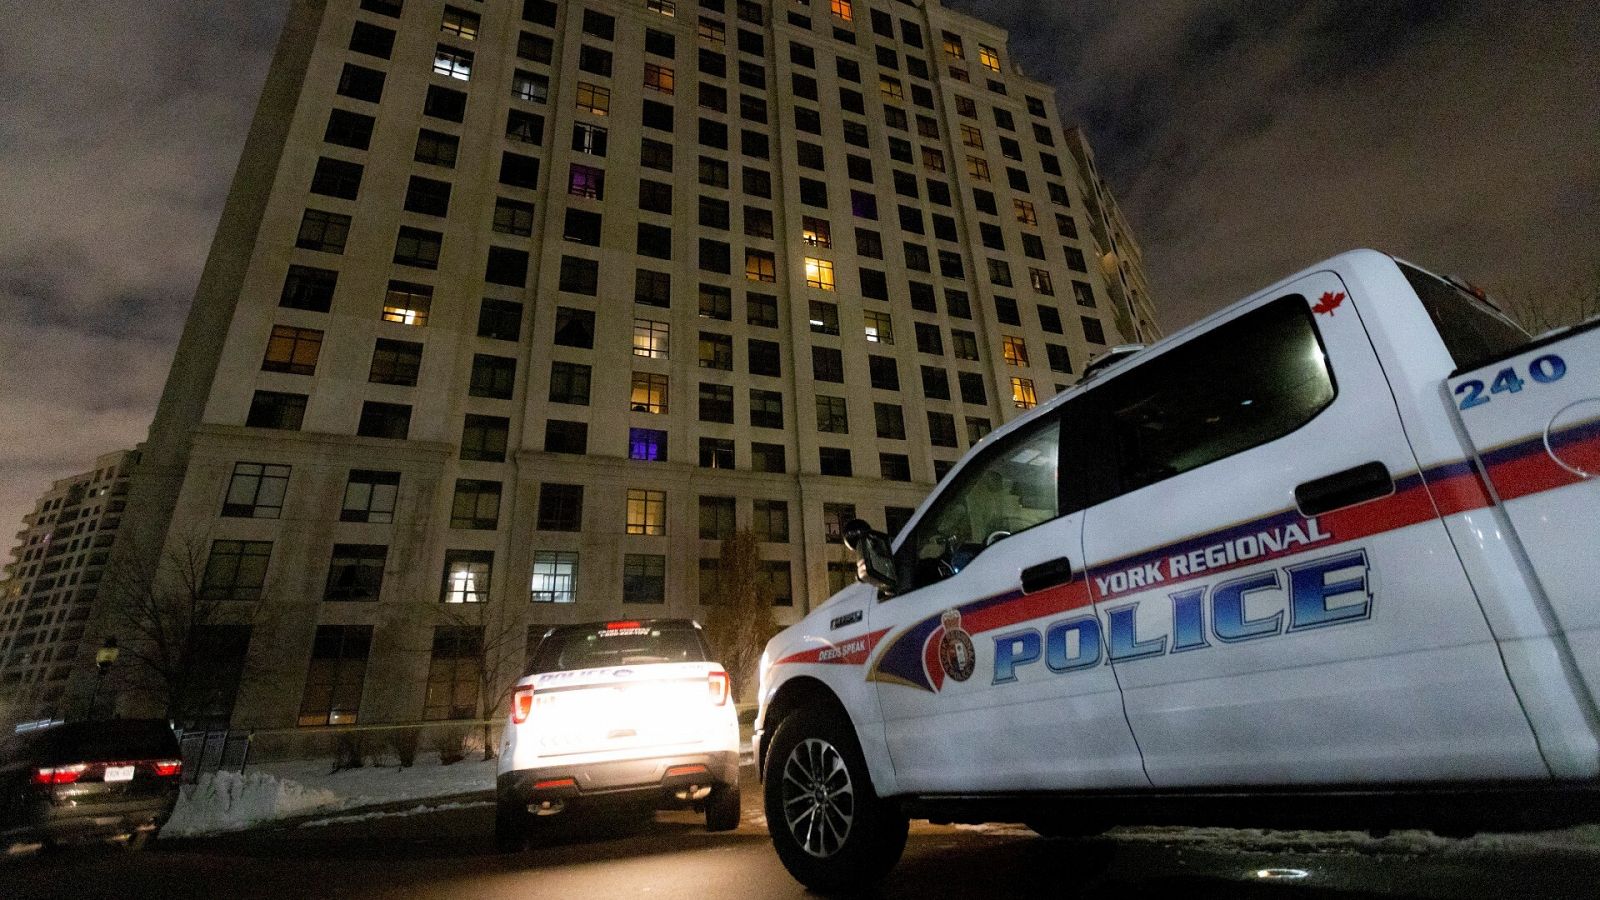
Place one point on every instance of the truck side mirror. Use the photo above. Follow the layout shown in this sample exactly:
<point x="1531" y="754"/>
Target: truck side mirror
<point x="874" y="559"/>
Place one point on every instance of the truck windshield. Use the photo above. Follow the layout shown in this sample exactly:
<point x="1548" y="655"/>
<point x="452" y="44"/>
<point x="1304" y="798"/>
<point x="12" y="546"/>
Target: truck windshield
<point x="1472" y="330"/>
<point x="610" y="646"/>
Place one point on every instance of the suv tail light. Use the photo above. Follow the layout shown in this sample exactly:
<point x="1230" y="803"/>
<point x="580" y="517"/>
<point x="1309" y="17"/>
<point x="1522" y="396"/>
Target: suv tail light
<point x="719" y="687"/>
<point x="59" y="774"/>
<point x="521" y="704"/>
<point x="166" y="768"/>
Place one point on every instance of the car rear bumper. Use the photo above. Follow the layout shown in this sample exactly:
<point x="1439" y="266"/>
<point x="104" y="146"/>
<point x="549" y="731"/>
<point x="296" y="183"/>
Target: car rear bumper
<point x="620" y="781"/>
<point x="68" y="824"/>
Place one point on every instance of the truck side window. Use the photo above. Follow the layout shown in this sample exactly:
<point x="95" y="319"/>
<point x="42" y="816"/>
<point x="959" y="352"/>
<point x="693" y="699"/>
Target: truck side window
<point x="1471" y="331"/>
<point x="1012" y="487"/>
<point x="1240" y="385"/>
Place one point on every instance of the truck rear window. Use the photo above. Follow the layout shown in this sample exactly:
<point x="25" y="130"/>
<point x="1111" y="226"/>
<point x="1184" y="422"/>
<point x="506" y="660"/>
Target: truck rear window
<point x="1472" y="331"/>
<point x="602" y="647"/>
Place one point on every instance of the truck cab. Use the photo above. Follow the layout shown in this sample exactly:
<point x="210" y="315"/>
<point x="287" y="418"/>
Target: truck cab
<point x="1317" y="559"/>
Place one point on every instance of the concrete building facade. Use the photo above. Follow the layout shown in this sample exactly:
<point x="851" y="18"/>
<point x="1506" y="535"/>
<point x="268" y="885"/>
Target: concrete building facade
<point x="1121" y="256"/>
<point x="517" y="307"/>
<point x="49" y="590"/>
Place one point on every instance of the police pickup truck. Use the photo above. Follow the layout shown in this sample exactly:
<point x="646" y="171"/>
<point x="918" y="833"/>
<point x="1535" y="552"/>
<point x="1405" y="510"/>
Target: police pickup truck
<point x="1326" y="558"/>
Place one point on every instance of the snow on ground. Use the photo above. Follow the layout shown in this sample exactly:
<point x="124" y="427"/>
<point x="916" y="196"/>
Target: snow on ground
<point x="391" y="814"/>
<point x="267" y="792"/>
<point x="1583" y="839"/>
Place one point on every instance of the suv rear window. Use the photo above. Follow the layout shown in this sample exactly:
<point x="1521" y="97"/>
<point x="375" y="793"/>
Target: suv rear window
<point x="1472" y="331"/>
<point x="610" y="645"/>
<point x="112" y="741"/>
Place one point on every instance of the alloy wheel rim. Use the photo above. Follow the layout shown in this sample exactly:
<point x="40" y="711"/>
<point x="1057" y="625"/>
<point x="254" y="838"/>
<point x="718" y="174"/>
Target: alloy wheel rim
<point x="819" y="800"/>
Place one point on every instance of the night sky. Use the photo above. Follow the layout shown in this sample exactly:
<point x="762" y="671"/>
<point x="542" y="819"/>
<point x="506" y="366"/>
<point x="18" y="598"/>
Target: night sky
<point x="1244" y="140"/>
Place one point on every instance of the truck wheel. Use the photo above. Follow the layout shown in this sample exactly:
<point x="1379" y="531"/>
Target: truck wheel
<point x="832" y="831"/>
<point x="511" y="824"/>
<point x="722" y="808"/>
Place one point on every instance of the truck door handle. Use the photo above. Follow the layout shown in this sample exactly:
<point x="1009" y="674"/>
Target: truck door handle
<point x="1046" y="574"/>
<point x="1368" y="481"/>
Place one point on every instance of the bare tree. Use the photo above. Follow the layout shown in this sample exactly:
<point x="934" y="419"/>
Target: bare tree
<point x="740" y="622"/>
<point x="173" y="629"/>
<point x="498" y="656"/>
<point x="1539" y="310"/>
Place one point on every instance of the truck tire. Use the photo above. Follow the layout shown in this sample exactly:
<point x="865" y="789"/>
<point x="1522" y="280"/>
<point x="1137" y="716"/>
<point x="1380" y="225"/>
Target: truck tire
<point x="831" y="830"/>
<point x="512" y="824"/>
<point x="722" y="808"/>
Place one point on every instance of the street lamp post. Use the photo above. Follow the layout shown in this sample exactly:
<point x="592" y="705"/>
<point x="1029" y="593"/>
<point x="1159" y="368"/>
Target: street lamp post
<point x="103" y="660"/>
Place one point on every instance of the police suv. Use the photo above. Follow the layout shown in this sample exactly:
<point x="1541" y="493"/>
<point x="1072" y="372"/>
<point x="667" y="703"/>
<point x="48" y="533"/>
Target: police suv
<point x="618" y="712"/>
<point x="1327" y="557"/>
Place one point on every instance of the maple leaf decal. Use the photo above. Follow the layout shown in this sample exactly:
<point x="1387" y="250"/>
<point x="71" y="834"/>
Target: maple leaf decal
<point x="1329" y="302"/>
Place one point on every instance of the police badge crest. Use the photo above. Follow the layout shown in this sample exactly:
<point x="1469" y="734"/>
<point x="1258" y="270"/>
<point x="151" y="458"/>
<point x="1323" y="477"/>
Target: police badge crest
<point x="957" y="656"/>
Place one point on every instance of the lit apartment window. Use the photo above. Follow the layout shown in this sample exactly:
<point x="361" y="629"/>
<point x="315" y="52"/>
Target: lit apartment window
<point x="816" y="233"/>
<point x="1015" y="351"/>
<point x="978" y="168"/>
<point x="971" y="136"/>
<point x="334" y="680"/>
<point x="712" y="32"/>
<point x="586" y="181"/>
<point x="891" y="88"/>
<point x="932" y="160"/>
<point x="650" y="338"/>
<point x="659" y="78"/>
<point x="879" y="329"/>
<point x="592" y="98"/>
<point x="952" y="46"/>
<point x="824" y="317"/>
<point x="1041" y="282"/>
<point x="649" y="444"/>
<point x="466" y="576"/>
<point x="762" y="266"/>
<point x="555" y="577"/>
<point x="819" y="273"/>
<point x="460" y="23"/>
<point x="407" y="303"/>
<point x="989" y="57"/>
<point x="664" y="7"/>
<point x="649" y="393"/>
<point x="1022" y="393"/>
<point x="1025" y="212"/>
<point x="292" y="350"/>
<point x="647" y="511"/>
<point x="842" y="9"/>
<point x="531" y="87"/>
<point x="452" y="63"/>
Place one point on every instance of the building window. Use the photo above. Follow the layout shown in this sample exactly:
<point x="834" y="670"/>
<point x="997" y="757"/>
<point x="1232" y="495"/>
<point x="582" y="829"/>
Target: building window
<point x="659" y="78"/>
<point x="355" y="572"/>
<point x="235" y="570"/>
<point x="256" y="491"/>
<point x="842" y="9"/>
<point x="384" y="420"/>
<point x="894" y="467"/>
<point x="323" y="231"/>
<point x="484" y="438"/>
<point x="712" y="32"/>
<point x="555" y="577"/>
<point x="834" y="517"/>
<point x="566" y="437"/>
<point x="766" y="409"/>
<point x="500" y="320"/>
<point x="1041" y="281"/>
<point x="885" y="372"/>
<point x="476" y="505"/>
<point x="587" y="181"/>
<point x="716" y="453"/>
<point x="835" y="461"/>
<point x="716" y="403"/>
<point x="879" y="327"/>
<point x="1015" y="351"/>
<point x="1022" y="393"/>
<point x="395" y="362"/>
<point x="716" y="351"/>
<point x="644" y="578"/>
<point x="418" y="247"/>
<point x="716" y="518"/>
<point x="819" y="273"/>
<point x="569" y="383"/>
<point x="589" y="139"/>
<point x="890" y="421"/>
<point x="452" y="63"/>
<point x="649" y="393"/>
<point x="443" y="103"/>
<point x="370" y="496"/>
<point x="647" y="444"/>
<point x="532" y="87"/>
<point x="292" y="350"/>
<point x="560" y="507"/>
<point x="827" y="364"/>
<point x="965" y="344"/>
<point x="308" y="288"/>
<point x="768" y="458"/>
<point x="952" y="45"/>
<point x="824" y="317"/>
<point x="337" y="674"/>
<point x="455" y="671"/>
<point x="832" y="415"/>
<point x="466" y="576"/>
<point x="978" y="168"/>
<point x="759" y="265"/>
<point x="407" y="303"/>
<point x="494" y="377"/>
<point x="716" y="303"/>
<point x="941" y="429"/>
<point x="771" y="521"/>
<point x="647" y="511"/>
<point x="460" y="23"/>
<point x="816" y="233"/>
<point x="929" y="338"/>
<point x="650" y="338"/>
<point x="272" y="409"/>
<point x="1093" y="331"/>
<point x="989" y="57"/>
<point x="592" y="98"/>
<point x="337" y="178"/>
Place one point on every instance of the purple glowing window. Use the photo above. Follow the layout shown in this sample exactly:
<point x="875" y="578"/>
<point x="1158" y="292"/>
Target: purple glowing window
<point x="587" y="181"/>
<point x="647" y="444"/>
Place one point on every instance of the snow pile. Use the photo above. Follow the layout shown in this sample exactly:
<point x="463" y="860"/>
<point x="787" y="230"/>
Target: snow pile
<point x="230" y="801"/>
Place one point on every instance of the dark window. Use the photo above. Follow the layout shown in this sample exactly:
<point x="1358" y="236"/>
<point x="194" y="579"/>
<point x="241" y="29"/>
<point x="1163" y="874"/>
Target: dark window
<point x="758" y="222"/>
<point x="361" y="83"/>
<point x="566" y="437"/>
<point x="765" y="358"/>
<point x="655" y="196"/>
<point x="476" y="505"/>
<point x="593" y="59"/>
<point x="582" y="227"/>
<point x="580" y="276"/>
<point x="484" y="438"/>
<point x="657" y="115"/>
<point x="644" y="578"/>
<point x="443" y="103"/>
<point x="384" y="420"/>
<point x="859" y="167"/>
<point x="271" y="409"/>
<point x="654" y="241"/>
<point x="835" y="461"/>
<point x="395" y="362"/>
<point x="768" y="458"/>
<point x="500" y="319"/>
<point x="1060" y="359"/>
<point x="929" y="339"/>
<point x="372" y="40"/>
<point x="716" y="403"/>
<point x="894" y="467"/>
<point x="827" y="364"/>
<point x="717" y="518"/>
<point x="810" y="155"/>
<point x="766" y="409"/>
<point x="713" y="172"/>
<point x="869" y="243"/>
<point x="654" y="154"/>
<point x="518" y="170"/>
<point x="659" y="42"/>
<point x="973" y="388"/>
<point x="455" y="672"/>
<point x="323" y="231"/>
<point x="428" y="196"/>
<point x="370" y="496"/>
<point x="652" y="288"/>
<point x="560" y="507"/>
<point x="957" y="303"/>
<point x="513" y="217"/>
<point x="569" y="383"/>
<point x="599" y="24"/>
<point x="355" y="572"/>
<point x="418" y="247"/>
<point x="941" y="429"/>
<point x="890" y="421"/>
<point x="885" y="372"/>
<point x="863" y="205"/>
<point x="525" y="127"/>
<point x="1093" y="331"/>
<point x="1469" y="329"/>
<point x="874" y="284"/>
<point x="336" y="178"/>
<point x="574" y="327"/>
<point x="713" y="63"/>
<point x="493" y="376"/>
<point x="589" y="139"/>
<point x="761" y="310"/>
<point x="935" y="383"/>
<point x="540" y="12"/>
<point x="256" y="490"/>
<point x="833" y="415"/>
<point x="716" y="453"/>
<point x="814" y="193"/>
<point x="1005" y="309"/>
<point x="349" y="129"/>
<point x="716" y="302"/>
<point x="535" y="47"/>
<point x="337" y="673"/>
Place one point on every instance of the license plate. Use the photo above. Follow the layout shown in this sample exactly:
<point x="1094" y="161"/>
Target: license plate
<point x="119" y="773"/>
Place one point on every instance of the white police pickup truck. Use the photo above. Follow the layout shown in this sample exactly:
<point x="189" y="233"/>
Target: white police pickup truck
<point x="1326" y="558"/>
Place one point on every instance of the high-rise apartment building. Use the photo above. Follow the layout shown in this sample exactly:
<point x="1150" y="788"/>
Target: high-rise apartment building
<point x="1121" y="256"/>
<point x="51" y="584"/>
<point x="517" y="308"/>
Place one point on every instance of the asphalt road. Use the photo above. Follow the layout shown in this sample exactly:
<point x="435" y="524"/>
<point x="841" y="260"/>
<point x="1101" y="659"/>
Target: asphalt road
<point x="445" y="852"/>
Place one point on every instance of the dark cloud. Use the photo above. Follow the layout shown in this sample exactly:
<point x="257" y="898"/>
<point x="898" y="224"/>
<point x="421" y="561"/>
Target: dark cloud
<point x="1245" y="138"/>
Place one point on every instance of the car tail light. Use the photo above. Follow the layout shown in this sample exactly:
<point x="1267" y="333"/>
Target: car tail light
<point x="719" y="687"/>
<point x="521" y="705"/>
<point x="59" y="774"/>
<point x="621" y="626"/>
<point x="166" y="768"/>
